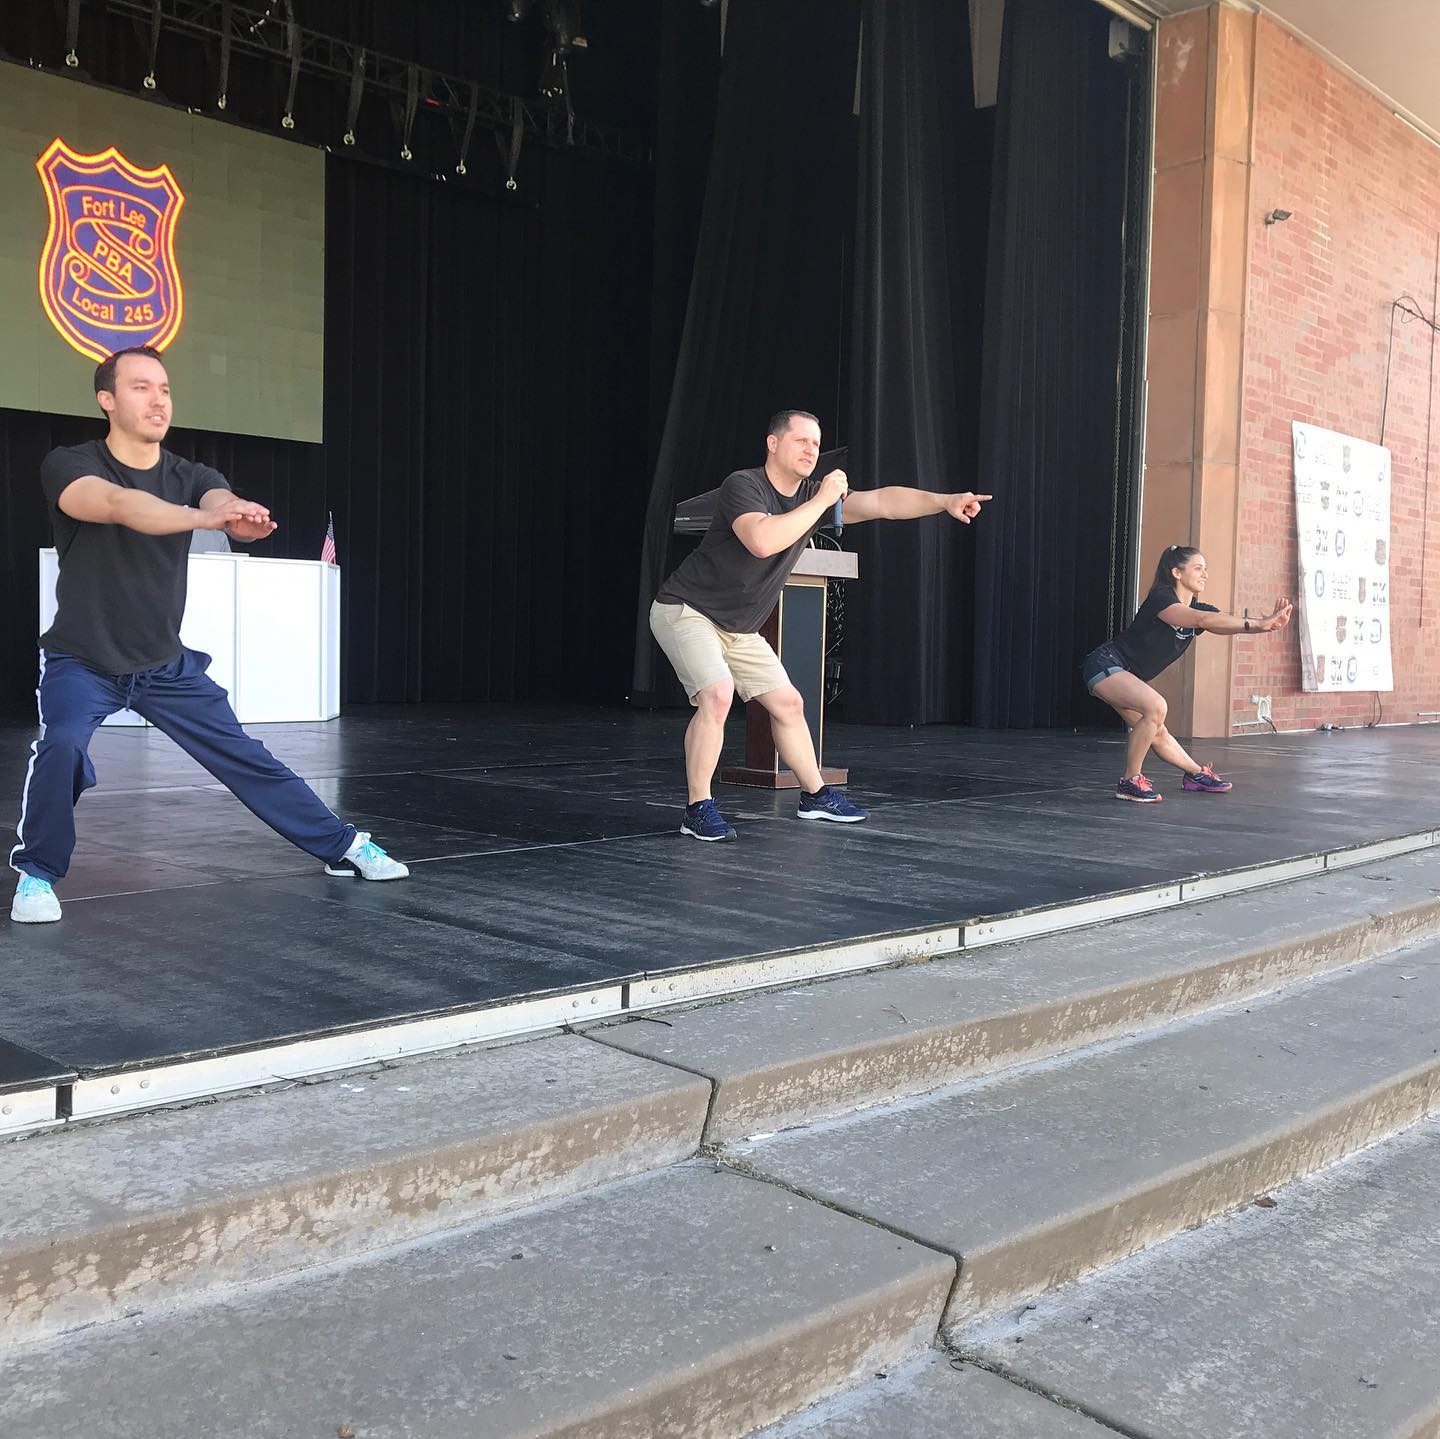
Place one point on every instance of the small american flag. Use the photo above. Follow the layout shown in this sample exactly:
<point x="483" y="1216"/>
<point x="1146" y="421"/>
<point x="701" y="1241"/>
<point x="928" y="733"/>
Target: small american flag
<point x="327" y="550"/>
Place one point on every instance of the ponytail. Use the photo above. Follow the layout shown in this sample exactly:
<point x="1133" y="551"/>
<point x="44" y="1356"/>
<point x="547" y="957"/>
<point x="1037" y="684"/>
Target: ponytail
<point x="1173" y="558"/>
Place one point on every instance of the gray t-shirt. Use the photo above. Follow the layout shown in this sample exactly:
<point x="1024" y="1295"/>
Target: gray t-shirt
<point x="728" y="585"/>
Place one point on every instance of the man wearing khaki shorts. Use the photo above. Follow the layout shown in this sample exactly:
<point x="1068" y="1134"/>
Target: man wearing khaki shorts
<point x="708" y="613"/>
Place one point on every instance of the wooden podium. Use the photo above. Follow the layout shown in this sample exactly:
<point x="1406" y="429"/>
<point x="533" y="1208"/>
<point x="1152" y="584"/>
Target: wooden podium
<point x="796" y="630"/>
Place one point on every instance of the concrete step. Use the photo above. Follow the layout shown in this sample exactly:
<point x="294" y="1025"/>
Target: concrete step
<point x="937" y="1397"/>
<point x="143" y="1212"/>
<point x="693" y="1304"/>
<point x="1318" y="1317"/>
<point x="173" y="1218"/>
<point x="780" y="1060"/>
<point x="1032" y="1177"/>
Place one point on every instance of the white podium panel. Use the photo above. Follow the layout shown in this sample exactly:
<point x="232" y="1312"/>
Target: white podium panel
<point x="270" y="627"/>
<point x="284" y="652"/>
<point x="209" y="620"/>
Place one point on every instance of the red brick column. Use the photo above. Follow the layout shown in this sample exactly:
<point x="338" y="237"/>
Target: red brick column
<point x="1198" y="268"/>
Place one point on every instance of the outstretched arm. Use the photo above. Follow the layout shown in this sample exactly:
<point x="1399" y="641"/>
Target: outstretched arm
<point x="899" y="502"/>
<point x="1215" y="623"/>
<point x="100" y="502"/>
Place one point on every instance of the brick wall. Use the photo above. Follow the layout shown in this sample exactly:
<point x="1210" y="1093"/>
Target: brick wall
<point x="1364" y="190"/>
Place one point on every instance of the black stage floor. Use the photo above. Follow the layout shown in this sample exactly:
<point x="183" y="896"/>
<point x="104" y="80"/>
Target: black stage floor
<point x="545" y="857"/>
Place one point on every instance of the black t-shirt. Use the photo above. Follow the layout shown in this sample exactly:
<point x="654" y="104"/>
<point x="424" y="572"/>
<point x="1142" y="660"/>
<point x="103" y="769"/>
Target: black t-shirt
<point x="121" y="594"/>
<point x="1149" y="645"/>
<point x="722" y="579"/>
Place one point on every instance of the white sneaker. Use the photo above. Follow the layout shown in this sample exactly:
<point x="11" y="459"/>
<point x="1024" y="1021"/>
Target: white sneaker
<point x="34" y="902"/>
<point x="367" y="860"/>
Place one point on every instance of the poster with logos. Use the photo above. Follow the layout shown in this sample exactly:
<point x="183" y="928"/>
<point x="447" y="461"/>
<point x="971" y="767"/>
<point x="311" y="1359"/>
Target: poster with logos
<point x="1342" y="513"/>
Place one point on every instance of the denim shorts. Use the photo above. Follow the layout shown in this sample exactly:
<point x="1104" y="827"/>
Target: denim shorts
<point x="1102" y="662"/>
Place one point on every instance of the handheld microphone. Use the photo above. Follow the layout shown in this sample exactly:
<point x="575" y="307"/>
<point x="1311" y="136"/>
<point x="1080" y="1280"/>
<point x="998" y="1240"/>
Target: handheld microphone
<point x="835" y="460"/>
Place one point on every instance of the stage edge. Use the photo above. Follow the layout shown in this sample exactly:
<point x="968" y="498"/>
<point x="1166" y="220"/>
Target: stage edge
<point x="198" y="1079"/>
<point x="32" y="1110"/>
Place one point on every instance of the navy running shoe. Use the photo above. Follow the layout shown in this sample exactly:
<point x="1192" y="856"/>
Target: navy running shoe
<point x="1139" y="789"/>
<point x="829" y="803"/>
<point x="703" y="820"/>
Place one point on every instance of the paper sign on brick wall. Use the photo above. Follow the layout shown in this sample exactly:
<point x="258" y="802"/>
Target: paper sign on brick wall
<point x="1342" y="514"/>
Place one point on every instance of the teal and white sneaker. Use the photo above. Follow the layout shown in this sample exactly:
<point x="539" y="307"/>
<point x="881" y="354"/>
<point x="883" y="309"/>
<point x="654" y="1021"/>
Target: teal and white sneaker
<point x="34" y="902"/>
<point x="368" y="861"/>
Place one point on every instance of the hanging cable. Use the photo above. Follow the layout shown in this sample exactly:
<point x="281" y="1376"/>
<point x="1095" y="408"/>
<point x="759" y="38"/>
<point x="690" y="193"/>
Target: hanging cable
<point x="412" y="103"/>
<point x="226" y="19"/>
<point x="149" y="81"/>
<point x="517" y="138"/>
<point x="1408" y="308"/>
<point x="1429" y="411"/>
<point x="357" y="91"/>
<point x="292" y="46"/>
<point x="469" y="127"/>
<point x="72" y="33"/>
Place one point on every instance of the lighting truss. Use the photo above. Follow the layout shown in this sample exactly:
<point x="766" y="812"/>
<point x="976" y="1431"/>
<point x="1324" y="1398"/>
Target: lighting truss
<point x="272" y="34"/>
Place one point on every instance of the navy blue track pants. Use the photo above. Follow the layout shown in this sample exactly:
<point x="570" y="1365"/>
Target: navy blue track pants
<point x="182" y="701"/>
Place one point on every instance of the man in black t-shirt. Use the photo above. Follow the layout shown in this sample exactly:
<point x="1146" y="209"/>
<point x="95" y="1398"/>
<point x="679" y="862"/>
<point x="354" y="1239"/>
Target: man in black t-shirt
<point x="708" y="613"/>
<point x="123" y="510"/>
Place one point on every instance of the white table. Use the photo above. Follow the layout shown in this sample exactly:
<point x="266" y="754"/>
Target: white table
<point x="271" y="627"/>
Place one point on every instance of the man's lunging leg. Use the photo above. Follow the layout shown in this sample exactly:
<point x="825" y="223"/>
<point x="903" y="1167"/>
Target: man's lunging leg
<point x="74" y="700"/>
<point x="182" y="701"/>
<point x="793" y="744"/>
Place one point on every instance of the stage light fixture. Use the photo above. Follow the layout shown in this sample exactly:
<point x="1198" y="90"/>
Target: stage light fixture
<point x="517" y="10"/>
<point x="562" y="20"/>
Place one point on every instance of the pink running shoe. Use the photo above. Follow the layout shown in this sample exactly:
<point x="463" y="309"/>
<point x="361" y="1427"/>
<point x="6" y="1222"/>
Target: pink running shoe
<point x="1139" y="789"/>
<point x="1207" y="782"/>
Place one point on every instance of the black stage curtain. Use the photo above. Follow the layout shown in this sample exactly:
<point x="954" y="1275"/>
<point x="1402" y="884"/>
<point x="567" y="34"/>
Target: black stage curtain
<point x="687" y="96"/>
<point x="486" y="393"/>
<point x="919" y="297"/>
<point x="992" y="344"/>
<point x="486" y="439"/>
<point x="1050" y="556"/>
<point x="765" y="324"/>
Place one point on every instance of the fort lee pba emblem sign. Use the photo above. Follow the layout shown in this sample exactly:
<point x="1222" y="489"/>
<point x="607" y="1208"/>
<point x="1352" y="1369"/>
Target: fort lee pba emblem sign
<point x="108" y="278"/>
